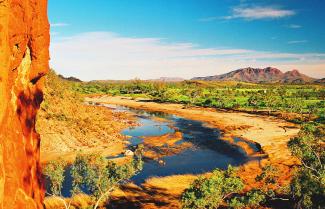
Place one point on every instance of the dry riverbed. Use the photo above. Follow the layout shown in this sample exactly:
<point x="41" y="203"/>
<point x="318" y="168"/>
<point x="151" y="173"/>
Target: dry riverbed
<point x="270" y="133"/>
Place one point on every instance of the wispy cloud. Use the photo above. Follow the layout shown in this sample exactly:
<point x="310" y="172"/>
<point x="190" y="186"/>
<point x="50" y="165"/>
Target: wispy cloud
<point x="294" y="26"/>
<point x="258" y="13"/>
<point x="112" y="56"/>
<point x="60" y="24"/>
<point x="298" y="42"/>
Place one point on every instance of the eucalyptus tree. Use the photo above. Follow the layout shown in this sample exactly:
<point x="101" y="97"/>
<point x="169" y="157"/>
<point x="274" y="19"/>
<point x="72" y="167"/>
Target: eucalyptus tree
<point x="308" y="184"/>
<point x="98" y="176"/>
<point x="54" y="174"/>
<point x="210" y="192"/>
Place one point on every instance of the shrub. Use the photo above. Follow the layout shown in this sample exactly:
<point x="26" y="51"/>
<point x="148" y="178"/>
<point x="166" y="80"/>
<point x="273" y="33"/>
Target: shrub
<point x="210" y="192"/>
<point x="252" y="199"/>
<point x="54" y="172"/>
<point x="308" y="185"/>
<point x="98" y="176"/>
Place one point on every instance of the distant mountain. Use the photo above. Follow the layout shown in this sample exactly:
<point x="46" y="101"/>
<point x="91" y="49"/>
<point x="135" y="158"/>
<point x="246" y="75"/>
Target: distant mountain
<point x="320" y="81"/>
<point x="168" y="79"/>
<point x="71" y="78"/>
<point x="260" y="75"/>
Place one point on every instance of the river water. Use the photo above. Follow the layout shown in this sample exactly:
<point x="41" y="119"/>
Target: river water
<point x="207" y="153"/>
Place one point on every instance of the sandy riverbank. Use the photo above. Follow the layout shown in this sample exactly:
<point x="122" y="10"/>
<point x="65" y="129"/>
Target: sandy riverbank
<point x="271" y="133"/>
<point x="157" y="147"/>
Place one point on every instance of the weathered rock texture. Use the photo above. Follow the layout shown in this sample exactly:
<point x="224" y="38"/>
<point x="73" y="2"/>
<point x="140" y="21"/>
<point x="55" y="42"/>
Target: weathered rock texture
<point x="24" y="43"/>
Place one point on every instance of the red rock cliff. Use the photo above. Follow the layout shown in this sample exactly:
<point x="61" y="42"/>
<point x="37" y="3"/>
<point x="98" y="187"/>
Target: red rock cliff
<point x="24" y="43"/>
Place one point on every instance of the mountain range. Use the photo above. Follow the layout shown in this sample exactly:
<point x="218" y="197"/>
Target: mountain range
<point x="168" y="79"/>
<point x="262" y="75"/>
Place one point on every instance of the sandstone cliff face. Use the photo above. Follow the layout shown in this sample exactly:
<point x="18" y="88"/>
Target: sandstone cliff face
<point x="24" y="43"/>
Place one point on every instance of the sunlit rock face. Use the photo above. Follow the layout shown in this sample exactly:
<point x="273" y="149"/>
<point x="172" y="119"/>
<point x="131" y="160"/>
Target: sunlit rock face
<point x="24" y="43"/>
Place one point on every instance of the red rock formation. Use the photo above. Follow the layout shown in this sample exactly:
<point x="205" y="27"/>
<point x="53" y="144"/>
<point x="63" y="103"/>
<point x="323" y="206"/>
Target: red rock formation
<point x="24" y="43"/>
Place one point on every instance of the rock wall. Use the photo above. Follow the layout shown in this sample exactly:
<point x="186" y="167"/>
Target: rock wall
<point x="24" y="44"/>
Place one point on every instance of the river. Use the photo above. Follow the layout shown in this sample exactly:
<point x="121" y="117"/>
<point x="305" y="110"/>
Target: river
<point x="207" y="153"/>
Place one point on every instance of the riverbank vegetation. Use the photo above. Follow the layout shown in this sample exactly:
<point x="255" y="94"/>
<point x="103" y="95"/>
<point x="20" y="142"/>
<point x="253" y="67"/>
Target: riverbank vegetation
<point x="93" y="176"/>
<point x="67" y="125"/>
<point x="306" y="189"/>
<point x="289" y="101"/>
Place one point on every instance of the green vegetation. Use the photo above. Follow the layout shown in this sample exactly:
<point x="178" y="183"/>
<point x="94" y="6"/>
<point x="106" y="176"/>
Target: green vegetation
<point x="252" y="199"/>
<point x="222" y="187"/>
<point x="306" y="101"/>
<point x="93" y="175"/>
<point x="54" y="170"/>
<point x="97" y="176"/>
<point x="307" y="188"/>
<point x="300" y="103"/>
<point x="226" y="188"/>
<point x="308" y="185"/>
<point x="210" y="192"/>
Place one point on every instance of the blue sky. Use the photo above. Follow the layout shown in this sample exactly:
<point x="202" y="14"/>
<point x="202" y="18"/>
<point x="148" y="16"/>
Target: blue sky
<point x="124" y="39"/>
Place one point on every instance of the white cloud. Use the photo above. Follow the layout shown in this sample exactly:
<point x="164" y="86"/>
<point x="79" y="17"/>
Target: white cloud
<point x="257" y="13"/>
<point x="294" y="26"/>
<point x="104" y="55"/>
<point x="297" y="42"/>
<point x="60" y="24"/>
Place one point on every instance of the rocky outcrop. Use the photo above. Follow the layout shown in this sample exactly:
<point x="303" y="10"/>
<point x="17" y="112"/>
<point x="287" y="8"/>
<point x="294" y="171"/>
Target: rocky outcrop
<point x="24" y="43"/>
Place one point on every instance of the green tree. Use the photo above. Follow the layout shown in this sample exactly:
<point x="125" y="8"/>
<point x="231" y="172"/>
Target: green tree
<point x="54" y="172"/>
<point x="254" y="198"/>
<point x="312" y="110"/>
<point x="308" y="184"/>
<point x="98" y="176"/>
<point x="210" y="192"/>
<point x="251" y="199"/>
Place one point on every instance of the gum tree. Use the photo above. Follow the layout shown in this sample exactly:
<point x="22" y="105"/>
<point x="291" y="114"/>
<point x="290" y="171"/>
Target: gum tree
<point x="210" y="192"/>
<point x="54" y="172"/>
<point x="308" y="185"/>
<point x="98" y="176"/>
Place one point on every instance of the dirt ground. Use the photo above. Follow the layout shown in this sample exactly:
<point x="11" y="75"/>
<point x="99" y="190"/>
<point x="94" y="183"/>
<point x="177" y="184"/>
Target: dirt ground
<point x="94" y="130"/>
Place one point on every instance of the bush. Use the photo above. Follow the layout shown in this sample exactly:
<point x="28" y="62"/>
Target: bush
<point x="54" y="172"/>
<point x="308" y="185"/>
<point x="92" y="174"/>
<point x="210" y="192"/>
<point x="252" y="199"/>
<point x="97" y="176"/>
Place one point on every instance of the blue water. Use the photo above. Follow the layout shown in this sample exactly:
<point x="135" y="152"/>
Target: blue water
<point x="148" y="127"/>
<point x="208" y="152"/>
